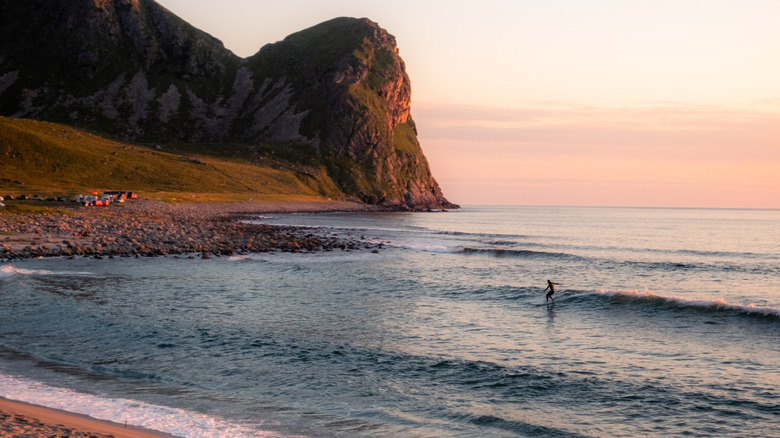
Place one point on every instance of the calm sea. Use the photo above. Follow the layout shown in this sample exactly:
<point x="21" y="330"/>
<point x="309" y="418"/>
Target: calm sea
<point x="666" y="323"/>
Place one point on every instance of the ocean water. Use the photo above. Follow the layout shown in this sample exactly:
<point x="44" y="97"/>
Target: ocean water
<point x="666" y="323"/>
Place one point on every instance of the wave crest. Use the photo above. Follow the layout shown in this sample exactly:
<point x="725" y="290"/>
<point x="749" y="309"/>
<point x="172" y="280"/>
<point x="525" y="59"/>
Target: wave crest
<point x="8" y="271"/>
<point x="524" y="253"/>
<point x="161" y="418"/>
<point x="716" y="305"/>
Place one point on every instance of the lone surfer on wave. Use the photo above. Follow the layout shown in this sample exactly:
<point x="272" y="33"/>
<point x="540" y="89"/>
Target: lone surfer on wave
<point x="551" y="286"/>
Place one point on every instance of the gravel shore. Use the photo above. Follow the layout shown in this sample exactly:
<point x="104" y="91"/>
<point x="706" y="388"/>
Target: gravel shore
<point x="152" y="228"/>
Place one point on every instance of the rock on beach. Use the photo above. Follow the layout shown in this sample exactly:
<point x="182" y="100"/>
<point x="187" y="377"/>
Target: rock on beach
<point x="153" y="228"/>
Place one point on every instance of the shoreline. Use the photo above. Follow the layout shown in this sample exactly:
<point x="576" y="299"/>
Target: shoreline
<point x="21" y="419"/>
<point x="146" y="228"/>
<point x="154" y="228"/>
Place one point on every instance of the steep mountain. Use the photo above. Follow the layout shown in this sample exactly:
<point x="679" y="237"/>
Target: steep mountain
<point x="132" y="70"/>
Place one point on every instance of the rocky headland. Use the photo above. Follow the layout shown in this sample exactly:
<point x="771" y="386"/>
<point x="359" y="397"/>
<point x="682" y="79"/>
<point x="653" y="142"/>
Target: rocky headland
<point x="336" y="93"/>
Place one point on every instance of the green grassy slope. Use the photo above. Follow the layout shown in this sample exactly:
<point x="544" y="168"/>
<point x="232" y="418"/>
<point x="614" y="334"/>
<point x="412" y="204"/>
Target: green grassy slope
<point x="55" y="160"/>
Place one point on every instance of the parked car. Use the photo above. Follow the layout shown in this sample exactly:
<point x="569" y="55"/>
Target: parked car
<point x="60" y="199"/>
<point x="22" y="197"/>
<point x="8" y="198"/>
<point x="2" y="205"/>
<point x="85" y="199"/>
<point x="89" y="200"/>
<point x="37" y="198"/>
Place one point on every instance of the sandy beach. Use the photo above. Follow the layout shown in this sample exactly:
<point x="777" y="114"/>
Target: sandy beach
<point x="154" y="228"/>
<point x="23" y="420"/>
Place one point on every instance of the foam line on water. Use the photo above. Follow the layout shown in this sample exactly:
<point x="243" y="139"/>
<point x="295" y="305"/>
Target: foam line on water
<point x="11" y="270"/>
<point x="160" y="418"/>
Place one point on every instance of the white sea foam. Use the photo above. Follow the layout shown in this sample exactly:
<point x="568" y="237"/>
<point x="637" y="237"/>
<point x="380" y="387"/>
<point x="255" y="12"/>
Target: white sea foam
<point x="716" y="304"/>
<point x="416" y="246"/>
<point x="11" y="270"/>
<point x="428" y="246"/>
<point x="174" y="421"/>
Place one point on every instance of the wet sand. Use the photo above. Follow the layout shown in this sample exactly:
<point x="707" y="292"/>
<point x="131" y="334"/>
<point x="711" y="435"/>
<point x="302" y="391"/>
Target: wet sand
<point x="22" y="420"/>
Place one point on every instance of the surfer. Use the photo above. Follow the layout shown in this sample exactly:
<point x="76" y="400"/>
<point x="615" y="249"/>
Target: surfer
<point x="551" y="286"/>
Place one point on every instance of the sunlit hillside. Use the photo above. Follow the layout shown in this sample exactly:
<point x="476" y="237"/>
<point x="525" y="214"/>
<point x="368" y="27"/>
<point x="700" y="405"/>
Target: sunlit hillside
<point x="54" y="160"/>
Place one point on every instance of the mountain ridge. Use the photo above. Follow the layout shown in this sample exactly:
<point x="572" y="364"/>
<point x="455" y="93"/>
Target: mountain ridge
<point x="339" y="88"/>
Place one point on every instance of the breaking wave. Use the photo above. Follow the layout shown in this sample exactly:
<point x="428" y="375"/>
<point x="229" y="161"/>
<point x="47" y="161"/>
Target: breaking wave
<point x="8" y="271"/>
<point x="160" y="418"/>
<point x="520" y="253"/>
<point x="717" y="305"/>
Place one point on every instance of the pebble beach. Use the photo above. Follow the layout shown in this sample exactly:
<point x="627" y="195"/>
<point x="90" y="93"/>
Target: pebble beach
<point x="142" y="228"/>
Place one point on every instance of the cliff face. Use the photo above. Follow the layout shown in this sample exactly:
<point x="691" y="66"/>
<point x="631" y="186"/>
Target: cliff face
<point x="349" y="92"/>
<point x="127" y="68"/>
<point x="133" y="70"/>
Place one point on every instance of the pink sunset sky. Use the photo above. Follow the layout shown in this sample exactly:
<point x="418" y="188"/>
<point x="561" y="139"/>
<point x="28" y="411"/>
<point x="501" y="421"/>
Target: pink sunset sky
<point x="570" y="102"/>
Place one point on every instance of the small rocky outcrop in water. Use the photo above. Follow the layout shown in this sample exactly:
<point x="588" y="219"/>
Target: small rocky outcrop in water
<point x="132" y="70"/>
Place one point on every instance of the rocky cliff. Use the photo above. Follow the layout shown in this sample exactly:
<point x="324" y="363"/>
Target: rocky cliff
<point x="132" y="70"/>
